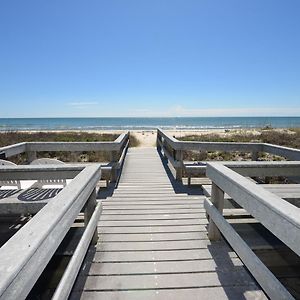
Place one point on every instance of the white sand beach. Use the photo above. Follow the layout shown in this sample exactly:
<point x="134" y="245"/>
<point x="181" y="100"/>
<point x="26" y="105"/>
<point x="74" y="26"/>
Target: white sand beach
<point x="147" y="138"/>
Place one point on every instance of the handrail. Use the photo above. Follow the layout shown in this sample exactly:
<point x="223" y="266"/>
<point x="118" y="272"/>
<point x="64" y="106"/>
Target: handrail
<point x="14" y="149"/>
<point x="251" y="196"/>
<point x="42" y="235"/>
<point x="210" y="146"/>
<point x="274" y="213"/>
<point x="115" y="148"/>
<point x="270" y="284"/>
<point x="122" y="138"/>
<point x="287" y="152"/>
<point x="165" y="141"/>
<point x="66" y="283"/>
<point x="265" y="168"/>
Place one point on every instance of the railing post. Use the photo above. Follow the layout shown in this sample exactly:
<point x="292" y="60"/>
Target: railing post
<point x="31" y="156"/>
<point x="217" y="198"/>
<point x="178" y="159"/>
<point x="254" y="156"/>
<point x="74" y="155"/>
<point x="164" y="143"/>
<point x="88" y="212"/>
<point x="114" y="156"/>
<point x="158" y="139"/>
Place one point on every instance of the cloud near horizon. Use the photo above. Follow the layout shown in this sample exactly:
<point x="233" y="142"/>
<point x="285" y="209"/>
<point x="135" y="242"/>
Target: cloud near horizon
<point x="180" y="111"/>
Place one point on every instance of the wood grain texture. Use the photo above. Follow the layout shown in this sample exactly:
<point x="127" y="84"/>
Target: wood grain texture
<point x="153" y="244"/>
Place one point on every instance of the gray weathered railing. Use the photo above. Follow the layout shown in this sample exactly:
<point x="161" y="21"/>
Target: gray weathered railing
<point x="25" y="255"/>
<point x="277" y="215"/>
<point x="116" y="149"/>
<point x="173" y="150"/>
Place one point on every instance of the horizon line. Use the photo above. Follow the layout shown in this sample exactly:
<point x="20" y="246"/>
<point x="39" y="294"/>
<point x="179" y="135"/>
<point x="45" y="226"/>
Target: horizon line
<point x="155" y="117"/>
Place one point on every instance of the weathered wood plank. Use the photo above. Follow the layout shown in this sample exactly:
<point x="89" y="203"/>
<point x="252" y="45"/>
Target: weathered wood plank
<point x="266" y="279"/>
<point x="149" y="229"/>
<point x="155" y="239"/>
<point x="150" y="212"/>
<point x="207" y="293"/>
<point x="261" y="204"/>
<point x="216" y="252"/>
<point x="42" y="236"/>
<point x="162" y="267"/>
<point x="153" y="223"/>
<point x="154" y="245"/>
<point x="131" y="237"/>
<point x="286" y="191"/>
<point x="118" y="217"/>
<point x="184" y="280"/>
<point x="161" y="202"/>
<point x="154" y="206"/>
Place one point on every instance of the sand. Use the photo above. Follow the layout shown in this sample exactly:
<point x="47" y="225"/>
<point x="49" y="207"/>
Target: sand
<point x="147" y="138"/>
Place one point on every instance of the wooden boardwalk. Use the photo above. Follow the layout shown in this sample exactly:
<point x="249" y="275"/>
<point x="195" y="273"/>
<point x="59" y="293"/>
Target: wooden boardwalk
<point x="153" y="244"/>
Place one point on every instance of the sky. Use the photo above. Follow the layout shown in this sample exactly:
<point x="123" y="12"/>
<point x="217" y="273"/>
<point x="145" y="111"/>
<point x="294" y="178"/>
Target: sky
<point x="94" y="58"/>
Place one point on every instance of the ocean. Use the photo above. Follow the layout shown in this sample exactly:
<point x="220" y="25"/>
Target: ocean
<point x="179" y="123"/>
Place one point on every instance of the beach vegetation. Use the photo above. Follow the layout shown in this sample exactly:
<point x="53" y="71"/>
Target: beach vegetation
<point x="133" y="141"/>
<point x="287" y="137"/>
<point x="14" y="137"/>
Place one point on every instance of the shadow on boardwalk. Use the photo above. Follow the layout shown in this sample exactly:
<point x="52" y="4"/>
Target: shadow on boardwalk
<point x="232" y="274"/>
<point x="179" y="187"/>
<point x="153" y="244"/>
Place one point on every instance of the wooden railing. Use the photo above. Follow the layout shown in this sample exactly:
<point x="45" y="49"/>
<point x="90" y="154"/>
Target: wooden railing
<point x="173" y="150"/>
<point x="116" y="149"/>
<point x="276" y="214"/>
<point x="25" y="255"/>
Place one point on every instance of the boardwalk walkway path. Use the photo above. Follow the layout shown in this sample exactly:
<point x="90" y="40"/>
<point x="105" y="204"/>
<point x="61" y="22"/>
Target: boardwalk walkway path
<point x="153" y="244"/>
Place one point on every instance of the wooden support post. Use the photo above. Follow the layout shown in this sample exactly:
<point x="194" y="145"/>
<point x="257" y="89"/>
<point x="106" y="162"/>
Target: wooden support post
<point x="179" y="170"/>
<point x="114" y="156"/>
<point x="31" y="156"/>
<point x="254" y="155"/>
<point x="189" y="180"/>
<point x="74" y="155"/>
<point x="165" y="148"/>
<point x="217" y="198"/>
<point x="88" y="212"/>
<point x="158" y="139"/>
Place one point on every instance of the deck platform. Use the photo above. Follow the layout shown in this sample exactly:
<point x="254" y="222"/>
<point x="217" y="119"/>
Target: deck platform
<point x="153" y="243"/>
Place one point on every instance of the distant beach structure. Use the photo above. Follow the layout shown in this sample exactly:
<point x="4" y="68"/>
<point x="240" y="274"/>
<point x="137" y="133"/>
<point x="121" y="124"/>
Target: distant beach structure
<point x="180" y="123"/>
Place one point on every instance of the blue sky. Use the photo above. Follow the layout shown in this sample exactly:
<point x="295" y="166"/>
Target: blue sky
<point x="149" y="58"/>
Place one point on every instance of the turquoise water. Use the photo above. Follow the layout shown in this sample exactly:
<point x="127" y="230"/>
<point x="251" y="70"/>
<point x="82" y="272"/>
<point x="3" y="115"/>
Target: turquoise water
<point x="146" y="123"/>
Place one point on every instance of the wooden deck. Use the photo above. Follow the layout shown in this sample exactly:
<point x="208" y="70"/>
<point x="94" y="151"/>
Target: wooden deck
<point x="153" y="244"/>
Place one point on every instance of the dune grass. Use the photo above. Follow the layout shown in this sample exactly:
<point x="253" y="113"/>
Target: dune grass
<point x="14" y="137"/>
<point x="289" y="138"/>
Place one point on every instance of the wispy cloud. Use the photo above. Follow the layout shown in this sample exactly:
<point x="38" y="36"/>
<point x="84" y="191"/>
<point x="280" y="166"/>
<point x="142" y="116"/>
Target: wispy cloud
<point x="82" y="103"/>
<point x="181" y="111"/>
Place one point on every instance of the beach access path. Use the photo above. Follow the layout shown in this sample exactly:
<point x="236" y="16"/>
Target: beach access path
<point x="153" y="243"/>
